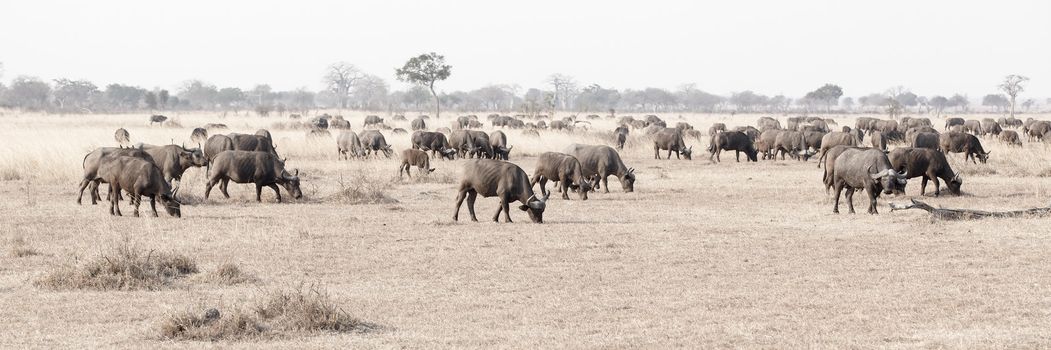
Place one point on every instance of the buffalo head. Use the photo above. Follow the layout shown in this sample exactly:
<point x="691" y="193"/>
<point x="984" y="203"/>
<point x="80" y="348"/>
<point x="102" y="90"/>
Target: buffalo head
<point x="535" y="207"/>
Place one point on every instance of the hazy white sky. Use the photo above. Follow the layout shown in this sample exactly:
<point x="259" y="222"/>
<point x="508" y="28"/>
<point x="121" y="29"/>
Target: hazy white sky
<point x="771" y="47"/>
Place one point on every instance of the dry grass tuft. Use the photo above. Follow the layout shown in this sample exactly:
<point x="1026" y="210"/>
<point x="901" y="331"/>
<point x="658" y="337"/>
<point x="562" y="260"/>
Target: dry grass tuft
<point x="363" y="188"/>
<point x="287" y="311"/>
<point x="229" y="274"/>
<point x="125" y="268"/>
<point x="211" y="326"/>
<point x="20" y="248"/>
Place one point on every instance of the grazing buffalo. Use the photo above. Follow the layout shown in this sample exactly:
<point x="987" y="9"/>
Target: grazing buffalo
<point x="199" y="135"/>
<point x="1010" y="137"/>
<point x="217" y="144"/>
<point x="671" y="139"/>
<point x="349" y="145"/>
<point x="215" y="126"/>
<point x="601" y="162"/>
<point x="414" y="157"/>
<point x="991" y="128"/>
<point x="794" y="123"/>
<point x="926" y="140"/>
<point x="732" y="141"/>
<point x="498" y="141"/>
<point x="419" y="124"/>
<point x="434" y="142"/>
<point x="91" y="163"/>
<point x="245" y="142"/>
<point x="1037" y="130"/>
<point x="157" y="118"/>
<point x="951" y="122"/>
<point x="173" y="161"/>
<point x="372" y="120"/>
<point x="478" y="142"/>
<point x="374" y="142"/>
<point x="264" y="169"/>
<point x="320" y="122"/>
<point x="138" y="177"/>
<point x="684" y="126"/>
<point x="864" y="169"/>
<point x="564" y="169"/>
<point x="969" y="145"/>
<point x="812" y="140"/>
<point x="751" y="131"/>
<point x="122" y="137"/>
<point x="792" y="143"/>
<point x="620" y="134"/>
<point x="460" y="140"/>
<point x="928" y="163"/>
<point x="339" y="123"/>
<point x="506" y="181"/>
<point x="865" y="123"/>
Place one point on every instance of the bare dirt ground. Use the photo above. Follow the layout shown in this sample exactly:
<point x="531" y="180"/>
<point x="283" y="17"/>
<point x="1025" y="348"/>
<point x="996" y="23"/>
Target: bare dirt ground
<point x="701" y="255"/>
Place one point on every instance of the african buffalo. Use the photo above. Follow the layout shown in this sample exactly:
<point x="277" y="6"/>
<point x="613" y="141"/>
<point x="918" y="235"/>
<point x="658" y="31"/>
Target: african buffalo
<point x="603" y="161"/>
<point x="671" y="139"/>
<point x="374" y="142"/>
<point x="732" y="141"/>
<point x="967" y="144"/>
<point x="122" y="137"/>
<point x="414" y="157"/>
<point x="928" y="163"/>
<point x="138" y="177"/>
<point x="494" y="178"/>
<point x="564" y="169"/>
<point x="260" y="168"/>
<point x="864" y="169"/>
<point x="173" y="160"/>
<point x="93" y="160"/>
<point x="349" y="145"/>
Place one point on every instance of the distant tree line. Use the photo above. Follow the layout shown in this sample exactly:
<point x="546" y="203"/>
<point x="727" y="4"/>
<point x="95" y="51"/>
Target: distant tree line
<point x="346" y="87"/>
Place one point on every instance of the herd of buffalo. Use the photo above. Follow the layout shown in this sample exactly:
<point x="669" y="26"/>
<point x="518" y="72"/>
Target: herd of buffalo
<point x="854" y="159"/>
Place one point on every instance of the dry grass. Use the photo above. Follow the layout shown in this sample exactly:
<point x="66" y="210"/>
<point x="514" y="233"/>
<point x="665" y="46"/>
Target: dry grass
<point x="299" y="311"/>
<point x="124" y="268"/>
<point x="19" y="248"/>
<point x="229" y="274"/>
<point x="701" y="255"/>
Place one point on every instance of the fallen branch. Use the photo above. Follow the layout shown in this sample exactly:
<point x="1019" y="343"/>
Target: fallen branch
<point x="966" y="214"/>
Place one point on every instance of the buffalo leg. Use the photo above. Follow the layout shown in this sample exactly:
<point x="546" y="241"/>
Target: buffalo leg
<point x="605" y="182"/>
<point x="923" y="186"/>
<point x="499" y="209"/>
<point x="937" y="187"/>
<point x="872" y="200"/>
<point x="223" y="186"/>
<point x="153" y="205"/>
<point x="839" y="190"/>
<point x="564" y="186"/>
<point x="114" y="205"/>
<point x="459" y="202"/>
<point x="850" y="199"/>
<point x="472" y="195"/>
<point x="543" y="183"/>
<point x="676" y="154"/>
<point x="506" y="206"/>
<point x="656" y="152"/>
<point x="208" y="187"/>
<point x="83" y="184"/>
<point x="258" y="192"/>
<point x="277" y="191"/>
<point x="737" y="153"/>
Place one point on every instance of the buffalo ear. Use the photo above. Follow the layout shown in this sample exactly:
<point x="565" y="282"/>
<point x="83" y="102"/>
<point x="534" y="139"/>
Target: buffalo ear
<point x="523" y="207"/>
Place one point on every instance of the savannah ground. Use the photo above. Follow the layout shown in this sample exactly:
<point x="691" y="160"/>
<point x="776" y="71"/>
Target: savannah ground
<point x="701" y="255"/>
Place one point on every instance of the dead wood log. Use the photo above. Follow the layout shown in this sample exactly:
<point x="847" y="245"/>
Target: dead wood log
<point x="967" y="214"/>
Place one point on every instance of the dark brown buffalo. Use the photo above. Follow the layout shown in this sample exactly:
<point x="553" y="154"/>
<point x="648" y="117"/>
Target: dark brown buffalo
<point x="926" y="140"/>
<point x="991" y="128"/>
<point x="434" y="142"/>
<point x="671" y="139"/>
<point x="123" y="137"/>
<point x="138" y="177"/>
<point x="506" y="181"/>
<point x="414" y="158"/>
<point x="349" y="145"/>
<point x="264" y="169"/>
<point x="602" y="161"/>
<point x="732" y="141"/>
<point x="812" y="140"/>
<point x="864" y="169"/>
<point x="751" y="131"/>
<point x="563" y="169"/>
<point x="1010" y="137"/>
<point x="173" y="161"/>
<point x="928" y="163"/>
<point x="217" y="144"/>
<point x="461" y="142"/>
<point x="93" y="160"/>
<point x="791" y="143"/>
<point x="498" y="141"/>
<point x="950" y="122"/>
<point x="967" y="144"/>
<point x="374" y="142"/>
<point x="479" y="142"/>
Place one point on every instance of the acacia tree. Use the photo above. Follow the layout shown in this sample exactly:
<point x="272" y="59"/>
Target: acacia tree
<point x="339" y="78"/>
<point x="425" y="70"/>
<point x="1011" y="86"/>
<point x="829" y="94"/>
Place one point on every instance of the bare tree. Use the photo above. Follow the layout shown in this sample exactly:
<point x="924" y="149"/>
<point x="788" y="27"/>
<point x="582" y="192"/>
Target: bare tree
<point x="1011" y="86"/>
<point x="339" y="78"/>
<point x="512" y="92"/>
<point x="565" y="87"/>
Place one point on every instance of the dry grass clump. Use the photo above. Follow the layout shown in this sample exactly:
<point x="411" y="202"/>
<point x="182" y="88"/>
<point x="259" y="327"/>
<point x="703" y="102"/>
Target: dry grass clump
<point x="229" y="274"/>
<point x="125" y="268"/>
<point x="211" y="326"/>
<point x="295" y="311"/>
<point x="363" y="188"/>
<point x="19" y="248"/>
